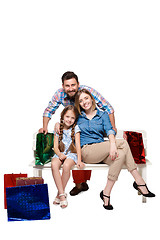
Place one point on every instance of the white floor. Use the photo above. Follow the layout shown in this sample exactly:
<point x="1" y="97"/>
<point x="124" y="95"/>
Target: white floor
<point x="85" y="216"/>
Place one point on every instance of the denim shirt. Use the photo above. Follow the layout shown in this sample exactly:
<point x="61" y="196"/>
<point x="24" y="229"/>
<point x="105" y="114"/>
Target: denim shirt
<point x="92" y="131"/>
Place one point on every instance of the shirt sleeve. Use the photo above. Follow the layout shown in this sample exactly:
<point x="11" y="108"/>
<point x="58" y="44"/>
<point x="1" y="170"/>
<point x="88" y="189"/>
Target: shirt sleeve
<point x="77" y="129"/>
<point x="107" y="125"/>
<point x="55" y="133"/>
<point x="53" y="104"/>
<point x="101" y="102"/>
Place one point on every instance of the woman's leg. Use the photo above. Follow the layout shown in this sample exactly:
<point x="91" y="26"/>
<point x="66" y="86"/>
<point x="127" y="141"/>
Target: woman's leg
<point x="139" y="180"/>
<point x="100" y="153"/>
<point x="133" y="169"/>
<point x="115" y="167"/>
<point x="107" y="190"/>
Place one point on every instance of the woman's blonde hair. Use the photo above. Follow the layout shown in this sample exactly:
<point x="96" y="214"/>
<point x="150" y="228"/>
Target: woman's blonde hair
<point x="77" y="99"/>
<point x="61" y="146"/>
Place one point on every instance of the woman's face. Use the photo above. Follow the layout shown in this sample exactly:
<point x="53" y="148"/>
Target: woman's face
<point x="85" y="101"/>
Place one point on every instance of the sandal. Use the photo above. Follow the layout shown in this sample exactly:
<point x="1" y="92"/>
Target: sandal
<point x="64" y="203"/>
<point x="109" y="206"/>
<point x="56" y="201"/>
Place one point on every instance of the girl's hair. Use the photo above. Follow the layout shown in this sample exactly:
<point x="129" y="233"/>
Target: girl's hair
<point x="77" y="99"/>
<point x="61" y="146"/>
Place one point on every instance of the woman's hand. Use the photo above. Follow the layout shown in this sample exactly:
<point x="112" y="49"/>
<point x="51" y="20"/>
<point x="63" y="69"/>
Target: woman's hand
<point x="62" y="156"/>
<point x="113" y="151"/>
<point x="80" y="165"/>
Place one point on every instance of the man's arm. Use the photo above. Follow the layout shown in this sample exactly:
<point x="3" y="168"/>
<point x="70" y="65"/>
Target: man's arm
<point x="45" y="125"/>
<point x="50" y="110"/>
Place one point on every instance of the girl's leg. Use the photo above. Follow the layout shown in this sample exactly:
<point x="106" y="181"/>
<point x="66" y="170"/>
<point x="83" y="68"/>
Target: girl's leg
<point x="55" y="165"/>
<point x="67" y="165"/>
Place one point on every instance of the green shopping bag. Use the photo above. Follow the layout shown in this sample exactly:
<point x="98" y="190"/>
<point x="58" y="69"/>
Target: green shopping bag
<point x="44" y="148"/>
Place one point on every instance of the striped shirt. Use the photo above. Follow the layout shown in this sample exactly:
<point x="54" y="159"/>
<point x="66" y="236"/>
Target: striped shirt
<point x="60" y="97"/>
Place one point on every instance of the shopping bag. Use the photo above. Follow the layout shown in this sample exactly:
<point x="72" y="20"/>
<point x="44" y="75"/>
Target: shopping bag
<point x="10" y="181"/>
<point x="22" y="181"/>
<point x="44" y="148"/>
<point x="28" y="203"/>
<point x="135" y="142"/>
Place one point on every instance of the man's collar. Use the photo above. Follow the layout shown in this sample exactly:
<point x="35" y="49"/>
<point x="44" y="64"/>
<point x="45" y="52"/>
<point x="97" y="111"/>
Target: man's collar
<point x="65" y="95"/>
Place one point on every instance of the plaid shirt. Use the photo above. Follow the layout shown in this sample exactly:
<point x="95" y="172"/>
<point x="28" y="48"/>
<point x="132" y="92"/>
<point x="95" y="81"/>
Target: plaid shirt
<point x="60" y="97"/>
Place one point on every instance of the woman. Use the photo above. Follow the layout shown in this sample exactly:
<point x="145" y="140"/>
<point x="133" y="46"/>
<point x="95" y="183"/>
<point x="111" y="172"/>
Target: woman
<point x="93" y="123"/>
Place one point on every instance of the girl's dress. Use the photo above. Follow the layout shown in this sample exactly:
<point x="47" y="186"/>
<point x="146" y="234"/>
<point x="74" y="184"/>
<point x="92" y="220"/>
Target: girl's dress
<point x="67" y="140"/>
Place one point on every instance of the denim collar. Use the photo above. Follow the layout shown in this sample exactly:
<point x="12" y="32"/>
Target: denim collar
<point x="99" y="113"/>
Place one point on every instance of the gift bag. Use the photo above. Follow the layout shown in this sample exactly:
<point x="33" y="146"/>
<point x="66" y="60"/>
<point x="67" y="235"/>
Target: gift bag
<point x="10" y="181"/>
<point x="135" y="142"/>
<point x="44" y="148"/>
<point x="22" y="181"/>
<point x="28" y="203"/>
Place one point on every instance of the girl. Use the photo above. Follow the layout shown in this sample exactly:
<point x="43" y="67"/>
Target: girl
<point x="93" y="123"/>
<point x="66" y="152"/>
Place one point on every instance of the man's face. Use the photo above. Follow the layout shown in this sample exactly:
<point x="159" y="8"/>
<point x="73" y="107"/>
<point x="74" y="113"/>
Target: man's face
<point x="70" y="86"/>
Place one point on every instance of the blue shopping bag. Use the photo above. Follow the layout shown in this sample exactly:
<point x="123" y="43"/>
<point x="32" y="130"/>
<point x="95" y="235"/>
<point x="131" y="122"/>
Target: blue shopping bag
<point x="28" y="203"/>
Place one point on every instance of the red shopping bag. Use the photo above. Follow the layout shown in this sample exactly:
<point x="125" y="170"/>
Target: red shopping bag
<point x="135" y="142"/>
<point x="10" y="181"/>
<point x="23" y="181"/>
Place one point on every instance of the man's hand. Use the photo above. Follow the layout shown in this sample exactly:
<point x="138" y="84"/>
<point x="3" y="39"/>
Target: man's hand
<point x="43" y="130"/>
<point x="45" y="125"/>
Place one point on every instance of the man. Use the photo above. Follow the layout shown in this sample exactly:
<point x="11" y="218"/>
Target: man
<point x="66" y="96"/>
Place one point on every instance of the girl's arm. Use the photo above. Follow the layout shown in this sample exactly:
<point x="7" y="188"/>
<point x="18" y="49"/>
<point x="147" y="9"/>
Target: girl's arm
<point x="113" y="148"/>
<point x="61" y="156"/>
<point x="80" y="164"/>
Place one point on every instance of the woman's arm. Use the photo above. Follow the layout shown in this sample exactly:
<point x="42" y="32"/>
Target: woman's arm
<point x="113" y="148"/>
<point x="112" y="120"/>
<point x="80" y="164"/>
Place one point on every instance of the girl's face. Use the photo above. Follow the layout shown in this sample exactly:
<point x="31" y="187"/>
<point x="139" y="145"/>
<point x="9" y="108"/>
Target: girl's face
<point x="69" y="118"/>
<point x="85" y="101"/>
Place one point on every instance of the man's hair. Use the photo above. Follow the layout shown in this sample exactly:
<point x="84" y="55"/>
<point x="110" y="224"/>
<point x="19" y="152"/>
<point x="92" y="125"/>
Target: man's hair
<point x="68" y="75"/>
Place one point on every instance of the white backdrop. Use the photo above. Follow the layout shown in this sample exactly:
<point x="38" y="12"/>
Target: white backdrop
<point x="112" y="46"/>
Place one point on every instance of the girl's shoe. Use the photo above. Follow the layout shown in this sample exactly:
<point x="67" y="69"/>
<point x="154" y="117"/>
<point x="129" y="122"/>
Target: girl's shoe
<point x="56" y="201"/>
<point x="149" y="194"/>
<point x="109" y="206"/>
<point x="64" y="203"/>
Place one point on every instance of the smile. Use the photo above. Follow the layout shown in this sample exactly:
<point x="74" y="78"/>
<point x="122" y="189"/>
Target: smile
<point x="86" y="105"/>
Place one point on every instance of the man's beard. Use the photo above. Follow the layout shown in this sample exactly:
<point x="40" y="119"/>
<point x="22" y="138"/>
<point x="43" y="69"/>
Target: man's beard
<point x="73" y="96"/>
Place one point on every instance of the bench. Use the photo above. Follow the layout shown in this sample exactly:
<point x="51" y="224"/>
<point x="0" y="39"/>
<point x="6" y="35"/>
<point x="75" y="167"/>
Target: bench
<point x="142" y="168"/>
